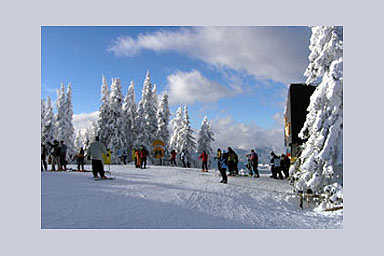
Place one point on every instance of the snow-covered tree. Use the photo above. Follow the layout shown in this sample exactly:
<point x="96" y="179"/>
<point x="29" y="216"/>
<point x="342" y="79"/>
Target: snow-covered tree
<point x="163" y="120"/>
<point x="155" y="97"/>
<point x="43" y="111"/>
<point x="146" y="116"/>
<point x="48" y="127"/>
<point x="79" y="141"/>
<point x="61" y="115"/>
<point x="69" y="130"/>
<point x="130" y="115"/>
<point x="117" y="141"/>
<point x="320" y="164"/>
<point x="206" y="137"/>
<point x="90" y="134"/>
<point x="186" y="141"/>
<point x="176" y="125"/>
<point x="103" y="123"/>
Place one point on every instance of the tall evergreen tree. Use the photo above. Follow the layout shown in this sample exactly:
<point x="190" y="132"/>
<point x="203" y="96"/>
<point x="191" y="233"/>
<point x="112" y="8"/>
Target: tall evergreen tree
<point x="163" y="120"/>
<point x="176" y="125"/>
<point x="48" y="127"/>
<point x="146" y="116"/>
<point x="186" y="141"/>
<point x="69" y="130"/>
<point x="43" y="111"/>
<point x="61" y="115"/>
<point x="206" y="137"/>
<point x="320" y="165"/>
<point x="130" y="115"/>
<point x="103" y="123"/>
<point x="117" y="141"/>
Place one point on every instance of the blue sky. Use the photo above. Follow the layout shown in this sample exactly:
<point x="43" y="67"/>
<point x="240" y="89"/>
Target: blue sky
<point x="237" y="76"/>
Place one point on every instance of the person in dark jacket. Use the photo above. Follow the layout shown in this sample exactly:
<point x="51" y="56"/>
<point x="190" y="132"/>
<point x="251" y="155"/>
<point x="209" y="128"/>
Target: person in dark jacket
<point x="143" y="157"/>
<point x="285" y="164"/>
<point x="254" y="163"/>
<point x="63" y="156"/>
<point x="182" y="158"/>
<point x="204" y="159"/>
<point x="276" y="166"/>
<point x="56" y="148"/>
<point x="44" y="165"/>
<point x="173" y="158"/>
<point x="221" y="165"/>
<point x="231" y="160"/>
<point x="80" y="160"/>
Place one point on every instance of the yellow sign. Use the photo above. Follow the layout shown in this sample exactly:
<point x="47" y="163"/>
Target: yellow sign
<point x="158" y="148"/>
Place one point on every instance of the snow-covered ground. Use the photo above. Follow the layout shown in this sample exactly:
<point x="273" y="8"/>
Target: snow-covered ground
<point x="173" y="198"/>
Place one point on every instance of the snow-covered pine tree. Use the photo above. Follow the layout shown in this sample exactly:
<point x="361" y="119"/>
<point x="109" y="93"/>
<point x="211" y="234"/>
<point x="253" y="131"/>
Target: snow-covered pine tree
<point x="155" y="97"/>
<point x="117" y="141"/>
<point x="146" y="117"/>
<point x="206" y="137"/>
<point x="69" y="130"/>
<point x="320" y="165"/>
<point x="61" y="116"/>
<point x="43" y="111"/>
<point x="79" y="141"/>
<point x="163" y="120"/>
<point x="48" y="127"/>
<point x="103" y="123"/>
<point x="90" y="134"/>
<point x="130" y="114"/>
<point x="176" y="125"/>
<point x="186" y="141"/>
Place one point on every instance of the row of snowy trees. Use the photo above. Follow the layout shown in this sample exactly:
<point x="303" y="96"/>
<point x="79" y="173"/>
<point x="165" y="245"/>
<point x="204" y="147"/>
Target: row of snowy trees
<point x="319" y="167"/>
<point x="123" y="125"/>
<point x="58" y="126"/>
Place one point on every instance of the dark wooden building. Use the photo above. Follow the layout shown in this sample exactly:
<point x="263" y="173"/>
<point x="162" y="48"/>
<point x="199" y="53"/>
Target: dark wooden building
<point x="296" y="112"/>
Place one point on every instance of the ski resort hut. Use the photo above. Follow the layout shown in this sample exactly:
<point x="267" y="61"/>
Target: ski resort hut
<point x="295" y="115"/>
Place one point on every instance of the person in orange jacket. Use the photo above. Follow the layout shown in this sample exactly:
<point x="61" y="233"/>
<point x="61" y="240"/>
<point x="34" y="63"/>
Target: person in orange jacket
<point x="204" y="159"/>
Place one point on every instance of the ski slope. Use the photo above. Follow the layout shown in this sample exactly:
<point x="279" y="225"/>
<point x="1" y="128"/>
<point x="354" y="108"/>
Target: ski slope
<point x="173" y="198"/>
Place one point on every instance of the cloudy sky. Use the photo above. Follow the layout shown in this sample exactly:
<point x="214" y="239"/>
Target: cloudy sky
<point x="237" y="76"/>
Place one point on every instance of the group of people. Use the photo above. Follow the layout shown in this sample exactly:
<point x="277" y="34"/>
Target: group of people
<point x="280" y="165"/>
<point x="57" y="156"/>
<point x="139" y="156"/>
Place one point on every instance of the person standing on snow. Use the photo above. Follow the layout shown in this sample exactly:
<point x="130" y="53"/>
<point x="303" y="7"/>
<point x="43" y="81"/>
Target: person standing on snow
<point x="173" y="158"/>
<point x="254" y="164"/>
<point x="204" y="159"/>
<point x="80" y="160"/>
<point x="275" y="166"/>
<point x="182" y="158"/>
<point x="285" y="164"/>
<point x="95" y="152"/>
<point x="44" y="165"/>
<point x="222" y="165"/>
<point x="138" y="160"/>
<point x="55" y="155"/>
<point x="218" y="159"/>
<point x="63" y="155"/>
<point x="231" y="160"/>
<point x="143" y="158"/>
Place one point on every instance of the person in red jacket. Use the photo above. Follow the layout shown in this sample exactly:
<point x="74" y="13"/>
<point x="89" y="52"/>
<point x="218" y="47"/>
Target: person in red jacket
<point x="173" y="158"/>
<point x="143" y="158"/>
<point x="204" y="158"/>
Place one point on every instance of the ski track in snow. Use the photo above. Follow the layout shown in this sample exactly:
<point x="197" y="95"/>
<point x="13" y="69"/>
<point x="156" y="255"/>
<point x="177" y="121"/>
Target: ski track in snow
<point x="173" y="198"/>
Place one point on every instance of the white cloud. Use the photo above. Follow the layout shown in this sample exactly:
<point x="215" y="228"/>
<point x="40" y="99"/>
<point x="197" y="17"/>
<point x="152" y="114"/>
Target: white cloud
<point x="276" y="53"/>
<point x="189" y="87"/>
<point x="84" y="120"/>
<point x="246" y="136"/>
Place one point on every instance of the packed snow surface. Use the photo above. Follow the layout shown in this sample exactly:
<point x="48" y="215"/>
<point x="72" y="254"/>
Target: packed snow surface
<point x="163" y="197"/>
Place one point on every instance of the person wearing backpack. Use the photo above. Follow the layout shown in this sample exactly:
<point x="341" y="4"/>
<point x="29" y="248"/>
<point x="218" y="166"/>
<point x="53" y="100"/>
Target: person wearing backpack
<point x="231" y="161"/>
<point x="254" y="164"/>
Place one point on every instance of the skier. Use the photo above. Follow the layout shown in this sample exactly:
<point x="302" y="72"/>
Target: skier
<point x="95" y="152"/>
<point x="43" y="157"/>
<point x="223" y="167"/>
<point x="285" y="164"/>
<point x="124" y="156"/>
<point x="218" y="158"/>
<point x="173" y="158"/>
<point x="55" y="155"/>
<point x="275" y="166"/>
<point x="143" y="157"/>
<point x="182" y="158"/>
<point x="63" y="155"/>
<point x="254" y="163"/>
<point x="137" y="158"/>
<point x="204" y="159"/>
<point x="231" y="161"/>
<point x="80" y="160"/>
